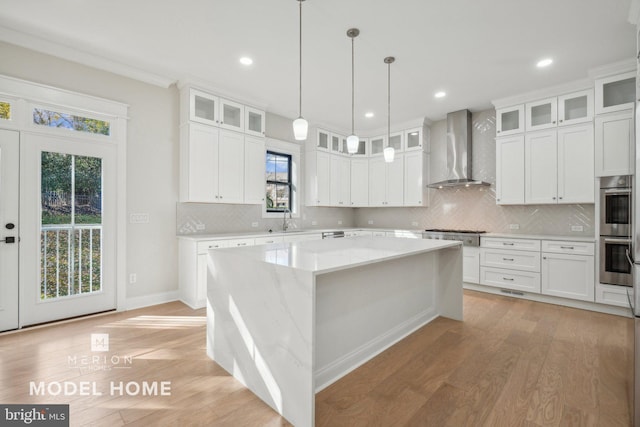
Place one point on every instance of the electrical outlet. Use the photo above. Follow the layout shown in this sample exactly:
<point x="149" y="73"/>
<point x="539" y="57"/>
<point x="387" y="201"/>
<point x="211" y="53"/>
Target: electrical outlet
<point x="200" y="227"/>
<point x="139" y="218"/>
<point x="414" y="223"/>
<point x="577" y="228"/>
<point x="254" y="224"/>
<point x="339" y="222"/>
<point x="133" y="278"/>
<point x="370" y="222"/>
<point x="514" y="226"/>
<point x="314" y="222"/>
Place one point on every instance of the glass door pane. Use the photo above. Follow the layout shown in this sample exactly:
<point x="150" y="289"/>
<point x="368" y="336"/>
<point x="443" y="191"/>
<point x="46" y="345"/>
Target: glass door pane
<point x="71" y="225"/>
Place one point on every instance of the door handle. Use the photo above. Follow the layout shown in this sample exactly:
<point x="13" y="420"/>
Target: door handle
<point x="626" y="252"/>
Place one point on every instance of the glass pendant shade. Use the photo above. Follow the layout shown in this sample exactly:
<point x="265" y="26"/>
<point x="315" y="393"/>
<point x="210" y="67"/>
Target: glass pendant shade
<point x="352" y="144"/>
<point x="389" y="154"/>
<point x="300" y="129"/>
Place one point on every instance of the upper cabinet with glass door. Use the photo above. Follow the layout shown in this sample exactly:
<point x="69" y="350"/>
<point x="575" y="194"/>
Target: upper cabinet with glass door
<point x="575" y="108"/>
<point x="413" y="139"/>
<point x="254" y="121"/>
<point x="203" y="107"/>
<point x="338" y="143"/>
<point x="541" y="114"/>
<point x="232" y="115"/>
<point x="396" y="141"/>
<point x="510" y="120"/>
<point x="615" y="93"/>
<point x="323" y="139"/>
<point x="377" y="145"/>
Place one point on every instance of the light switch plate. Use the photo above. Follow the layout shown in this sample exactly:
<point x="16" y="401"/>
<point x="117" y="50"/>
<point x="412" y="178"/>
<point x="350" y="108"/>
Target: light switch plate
<point x="370" y="222"/>
<point x="514" y="226"/>
<point x="577" y="228"/>
<point x="314" y="222"/>
<point x="414" y="223"/>
<point x="339" y="222"/>
<point x="254" y="224"/>
<point x="139" y="218"/>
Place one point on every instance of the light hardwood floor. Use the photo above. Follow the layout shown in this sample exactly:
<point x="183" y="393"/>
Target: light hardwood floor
<point x="510" y="363"/>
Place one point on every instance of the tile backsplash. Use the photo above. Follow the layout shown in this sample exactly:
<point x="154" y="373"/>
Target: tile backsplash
<point x="459" y="208"/>
<point x="475" y="207"/>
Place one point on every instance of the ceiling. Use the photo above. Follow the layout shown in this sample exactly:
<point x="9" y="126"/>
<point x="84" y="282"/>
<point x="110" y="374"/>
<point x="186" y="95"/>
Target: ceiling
<point x="474" y="50"/>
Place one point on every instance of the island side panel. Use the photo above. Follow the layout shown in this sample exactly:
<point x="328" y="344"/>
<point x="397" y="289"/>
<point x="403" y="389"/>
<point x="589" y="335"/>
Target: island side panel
<point x="260" y="329"/>
<point x="364" y="310"/>
<point x="449" y="284"/>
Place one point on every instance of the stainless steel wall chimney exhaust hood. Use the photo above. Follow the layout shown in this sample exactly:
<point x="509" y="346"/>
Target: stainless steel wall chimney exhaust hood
<point x="459" y="151"/>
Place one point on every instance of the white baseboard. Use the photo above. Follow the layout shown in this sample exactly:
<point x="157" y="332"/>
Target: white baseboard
<point x="154" y="299"/>
<point x="329" y="374"/>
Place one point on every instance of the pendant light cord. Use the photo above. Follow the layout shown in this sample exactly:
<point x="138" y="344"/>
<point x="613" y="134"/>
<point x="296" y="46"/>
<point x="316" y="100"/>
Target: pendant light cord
<point x="352" y="88"/>
<point x="388" y="103"/>
<point x="300" y="55"/>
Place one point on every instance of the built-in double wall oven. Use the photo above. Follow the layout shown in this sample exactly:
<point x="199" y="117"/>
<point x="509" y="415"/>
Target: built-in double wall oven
<point x="615" y="230"/>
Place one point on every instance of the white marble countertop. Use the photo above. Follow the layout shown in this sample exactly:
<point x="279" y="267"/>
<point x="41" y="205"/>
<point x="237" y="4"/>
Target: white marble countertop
<point x="325" y="256"/>
<point x="540" y="237"/>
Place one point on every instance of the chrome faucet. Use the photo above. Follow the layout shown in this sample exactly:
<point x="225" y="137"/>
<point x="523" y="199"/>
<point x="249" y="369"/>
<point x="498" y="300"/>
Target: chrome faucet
<point x="285" y="224"/>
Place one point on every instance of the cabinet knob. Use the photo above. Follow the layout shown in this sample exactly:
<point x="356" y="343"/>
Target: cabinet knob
<point x="553" y="198"/>
<point x="544" y="257"/>
<point x="498" y="131"/>
<point x="561" y="120"/>
<point x="553" y="122"/>
<point x="560" y="198"/>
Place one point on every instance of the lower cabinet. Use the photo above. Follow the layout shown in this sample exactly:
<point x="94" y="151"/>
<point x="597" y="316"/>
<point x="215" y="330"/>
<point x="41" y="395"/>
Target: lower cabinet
<point x="512" y="264"/>
<point x="524" y="281"/>
<point x="567" y="275"/>
<point x="471" y="264"/>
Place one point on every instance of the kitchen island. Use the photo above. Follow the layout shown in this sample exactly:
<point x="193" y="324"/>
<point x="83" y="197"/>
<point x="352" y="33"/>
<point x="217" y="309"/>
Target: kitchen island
<point x="288" y="319"/>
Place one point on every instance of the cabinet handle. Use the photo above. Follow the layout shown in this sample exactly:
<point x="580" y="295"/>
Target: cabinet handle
<point x="553" y="198"/>
<point x="553" y="122"/>
<point x="561" y="120"/>
<point x="507" y="259"/>
<point x="508" y="279"/>
<point x="242" y="244"/>
<point x="567" y="247"/>
<point x="560" y="198"/>
<point x="507" y="244"/>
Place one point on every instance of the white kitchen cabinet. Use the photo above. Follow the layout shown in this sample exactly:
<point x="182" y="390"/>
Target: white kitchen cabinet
<point x="192" y="270"/>
<point x="231" y="167"/>
<point x="612" y="295"/>
<point x="541" y="165"/>
<point x="510" y="170"/>
<point x="254" y="121"/>
<point x="254" y="170"/>
<point x="318" y="181"/>
<point x="268" y="240"/>
<point x="614" y="141"/>
<point x="231" y="115"/>
<point x="471" y="264"/>
<point x="377" y="145"/>
<point x="212" y="165"/>
<point x="569" y="276"/>
<point x="199" y="163"/>
<point x="386" y="181"/>
<point x="575" y="108"/>
<point x="358" y="233"/>
<point x="542" y="114"/>
<point x="203" y="107"/>
<point x="415" y="169"/>
<point x="363" y="147"/>
<point x="576" y="178"/>
<point x="404" y="234"/>
<point x="336" y="144"/>
<point x="299" y="237"/>
<point x="359" y="182"/>
<point x="510" y="120"/>
<point x="413" y="139"/>
<point x="510" y="263"/>
<point x="615" y="93"/>
<point x="340" y="177"/>
<point x="559" y="166"/>
<point x="323" y="139"/>
<point x="396" y="141"/>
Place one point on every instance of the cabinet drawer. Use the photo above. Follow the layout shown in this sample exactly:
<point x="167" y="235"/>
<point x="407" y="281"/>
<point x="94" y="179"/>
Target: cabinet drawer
<point x="240" y="242"/>
<point x="203" y="247"/>
<point x="269" y="239"/>
<point x="568" y="247"/>
<point x="612" y="295"/>
<point x="514" y="260"/>
<point x="510" y="279"/>
<point x="509" y="243"/>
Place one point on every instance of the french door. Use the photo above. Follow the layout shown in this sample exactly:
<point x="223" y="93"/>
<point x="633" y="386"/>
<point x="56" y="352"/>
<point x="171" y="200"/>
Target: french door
<point x="68" y="213"/>
<point x="9" y="228"/>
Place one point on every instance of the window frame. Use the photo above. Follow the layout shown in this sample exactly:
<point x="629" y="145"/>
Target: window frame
<point x="294" y="150"/>
<point x="287" y="183"/>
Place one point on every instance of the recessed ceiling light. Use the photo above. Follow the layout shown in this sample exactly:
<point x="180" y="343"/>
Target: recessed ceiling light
<point x="544" y="63"/>
<point x="440" y="94"/>
<point x="368" y="115"/>
<point x="245" y="60"/>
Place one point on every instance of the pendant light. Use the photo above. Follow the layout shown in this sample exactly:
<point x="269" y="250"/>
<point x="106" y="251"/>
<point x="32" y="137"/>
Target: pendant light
<point x="300" y="125"/>
<point x="352" y="140"/>
<point x="389" y="152"/>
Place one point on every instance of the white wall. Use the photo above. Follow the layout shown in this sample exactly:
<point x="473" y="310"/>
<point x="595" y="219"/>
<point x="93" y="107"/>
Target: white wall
<point x="152" y="157"/>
